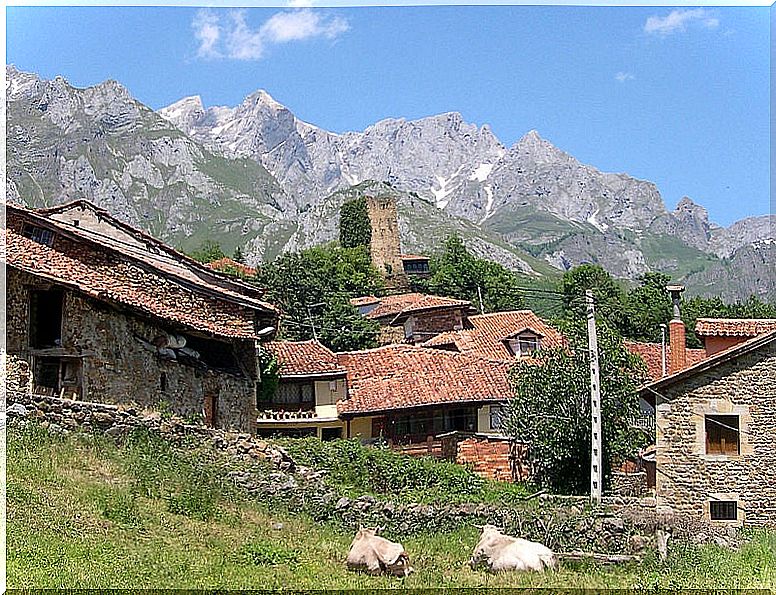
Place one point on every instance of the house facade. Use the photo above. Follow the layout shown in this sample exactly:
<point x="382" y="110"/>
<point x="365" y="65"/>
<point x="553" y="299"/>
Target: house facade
<point x="408" y="394"/>
<point x="99" y="311"/>
<point x="716" y="435"/>
<point x="719" y="334"/>
<point x="310" y="384"/>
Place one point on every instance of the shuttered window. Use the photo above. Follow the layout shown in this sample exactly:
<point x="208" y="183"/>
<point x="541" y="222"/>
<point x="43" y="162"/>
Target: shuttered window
<point x="722" y="435"/>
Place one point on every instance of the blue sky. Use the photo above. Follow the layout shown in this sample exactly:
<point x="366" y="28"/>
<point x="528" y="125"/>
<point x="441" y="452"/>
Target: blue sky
<point x="678" y="96"/>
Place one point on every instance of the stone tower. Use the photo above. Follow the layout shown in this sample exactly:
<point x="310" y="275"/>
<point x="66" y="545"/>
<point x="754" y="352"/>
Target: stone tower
<point x="385" y="247"/>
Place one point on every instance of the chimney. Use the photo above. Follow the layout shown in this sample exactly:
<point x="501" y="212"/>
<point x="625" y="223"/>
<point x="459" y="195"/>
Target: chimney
<point x="676" y="332"/>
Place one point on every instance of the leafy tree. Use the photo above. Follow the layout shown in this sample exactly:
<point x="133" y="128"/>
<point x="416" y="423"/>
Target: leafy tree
<point x="208" y="251"/>
<point x="608" y="295"/>
<point x="647" y="307"/>
<point x="355" y="226"/>
<point x="457" y="273"/>
<point x="551" y="408"/>
<point x="238" y="256"/>
<point x="269" y="369"/>
<point x="313" y="287"/>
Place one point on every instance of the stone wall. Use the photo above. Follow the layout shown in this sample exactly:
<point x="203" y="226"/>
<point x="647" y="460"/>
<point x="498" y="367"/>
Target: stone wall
<point x="688" y="478"/>
<point x="620" y="526"/>
<point x="119" y="364"/>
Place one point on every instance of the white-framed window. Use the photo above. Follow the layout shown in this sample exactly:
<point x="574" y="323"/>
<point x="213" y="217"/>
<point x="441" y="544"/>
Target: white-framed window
<point x="523" y="345"/>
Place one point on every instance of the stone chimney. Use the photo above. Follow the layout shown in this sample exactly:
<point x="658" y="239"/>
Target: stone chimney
<point x="676" y="333"/>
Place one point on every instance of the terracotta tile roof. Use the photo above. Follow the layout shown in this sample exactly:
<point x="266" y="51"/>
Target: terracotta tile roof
<point x="488" y="332"/>
<point x="392" y="306"/>
<point x="225" y="264"/>
<point x="102" y="273"/>
<point x="652" y="355"/>
<point x="734" y="327"/>
<point x="649" y="391"/>
<point x="304" y="358"/>
<point x="364" y="301"/>
<point x="152" y="251"/>
<point x="402" y="377"/>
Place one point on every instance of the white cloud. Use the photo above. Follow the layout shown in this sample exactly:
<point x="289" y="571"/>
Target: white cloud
<point x="301" y="24"/>
<point x="233" y="38"/>
<point x="677" y="21"/>
<point x="242" y="43"/>
<point x="625" y="76"/>
<point x="207" y="32"/>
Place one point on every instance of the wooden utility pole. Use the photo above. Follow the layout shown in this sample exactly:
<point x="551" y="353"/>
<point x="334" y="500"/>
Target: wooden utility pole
<point x="596" y="472"/>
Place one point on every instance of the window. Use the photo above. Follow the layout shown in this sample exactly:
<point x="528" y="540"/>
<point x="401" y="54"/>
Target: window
<point x="331" y="433"/>
<point x="723" y="510"/>
<point x="497" y="413"/>
<point x="45" y="318"/>
<point x="523" y="345"/>
<point x="294" y="393"/>
<point x="528" y="344"/>
<point x="38" y="234"/>
<point x="722" y="435"/>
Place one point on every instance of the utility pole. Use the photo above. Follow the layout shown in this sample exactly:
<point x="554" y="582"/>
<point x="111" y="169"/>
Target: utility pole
<point x="310" y="317"/>
<point x="482" y="306"/>
<point x="596" y="474"/>
<point x="663" y="348"/>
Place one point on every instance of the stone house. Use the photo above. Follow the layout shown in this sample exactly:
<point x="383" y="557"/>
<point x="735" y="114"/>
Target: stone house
<point x="716" y="435"/>
<point x="413" y="317"/>
<point x="100" y="311"/>
<point x="501" y="336"/>
<point x="310" y="384"/>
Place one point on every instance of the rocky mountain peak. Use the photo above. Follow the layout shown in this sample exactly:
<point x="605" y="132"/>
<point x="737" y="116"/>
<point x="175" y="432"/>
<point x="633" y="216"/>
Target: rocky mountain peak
<point x="264" y="99"/>
<point x="185" y="112"/>
<point x="538" y="149"/>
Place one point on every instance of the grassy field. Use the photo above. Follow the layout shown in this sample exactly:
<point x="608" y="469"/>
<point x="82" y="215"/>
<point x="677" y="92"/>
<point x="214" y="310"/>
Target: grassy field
<point x="85" y="513"/>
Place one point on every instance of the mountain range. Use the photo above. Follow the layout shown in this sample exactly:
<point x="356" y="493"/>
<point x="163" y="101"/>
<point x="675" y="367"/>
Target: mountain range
<point x="258" y="177"/>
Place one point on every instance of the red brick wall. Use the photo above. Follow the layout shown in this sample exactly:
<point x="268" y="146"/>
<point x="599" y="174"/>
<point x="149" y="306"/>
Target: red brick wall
<point x="500" y="460"/>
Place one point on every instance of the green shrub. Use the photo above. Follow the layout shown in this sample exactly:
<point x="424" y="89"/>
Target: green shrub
<point x="265" y="553"/>
<point x="357" y="469"/>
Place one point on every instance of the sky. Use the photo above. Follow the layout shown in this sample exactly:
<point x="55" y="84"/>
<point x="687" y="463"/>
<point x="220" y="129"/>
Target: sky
<point x="675" y="95"/>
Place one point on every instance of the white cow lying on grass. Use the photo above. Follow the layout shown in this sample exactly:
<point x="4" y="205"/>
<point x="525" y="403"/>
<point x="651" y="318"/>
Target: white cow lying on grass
<point x="499" y="552"/>
<point x="375" y="555"/>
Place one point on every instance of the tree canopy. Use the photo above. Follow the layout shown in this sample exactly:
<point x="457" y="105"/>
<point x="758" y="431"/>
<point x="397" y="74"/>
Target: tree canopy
<point x="551" y="408"/>
<point x="208" y="251"/>
<point x="457" y="273"/>
<point x="313" y="289"/>
<point x="355" y="226"/>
